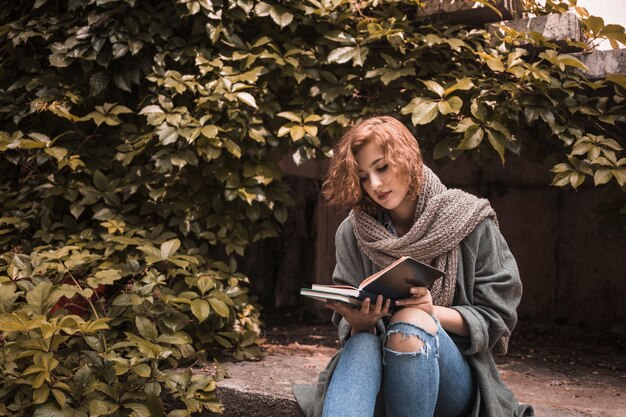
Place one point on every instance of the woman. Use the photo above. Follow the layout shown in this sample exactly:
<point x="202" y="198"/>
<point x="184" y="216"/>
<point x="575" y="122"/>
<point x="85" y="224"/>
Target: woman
<point x="433" y="357"/>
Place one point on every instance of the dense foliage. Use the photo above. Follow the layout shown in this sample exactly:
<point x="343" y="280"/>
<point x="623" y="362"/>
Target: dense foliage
<point x="139" y="150"/>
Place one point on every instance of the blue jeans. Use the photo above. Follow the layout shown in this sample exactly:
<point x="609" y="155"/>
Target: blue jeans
<point x="434" y="381"/>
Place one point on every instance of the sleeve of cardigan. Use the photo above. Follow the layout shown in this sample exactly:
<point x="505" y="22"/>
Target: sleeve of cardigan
<point x="349" y="269"/>
<point x="492" y="296"/>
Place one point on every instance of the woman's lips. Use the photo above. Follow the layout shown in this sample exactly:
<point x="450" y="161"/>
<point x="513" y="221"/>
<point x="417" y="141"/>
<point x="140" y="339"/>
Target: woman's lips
<point x="383" y="196"/>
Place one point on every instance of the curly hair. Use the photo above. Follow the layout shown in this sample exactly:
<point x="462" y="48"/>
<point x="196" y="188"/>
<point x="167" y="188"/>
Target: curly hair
<point x="342" y="186"/>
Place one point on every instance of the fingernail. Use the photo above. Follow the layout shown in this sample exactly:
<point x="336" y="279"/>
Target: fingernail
<point x="397" y="302"/>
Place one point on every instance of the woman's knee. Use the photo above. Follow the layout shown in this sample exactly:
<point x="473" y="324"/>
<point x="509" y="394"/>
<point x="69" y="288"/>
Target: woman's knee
<point x="401" y="341"/>
<point x="364" y="343"/>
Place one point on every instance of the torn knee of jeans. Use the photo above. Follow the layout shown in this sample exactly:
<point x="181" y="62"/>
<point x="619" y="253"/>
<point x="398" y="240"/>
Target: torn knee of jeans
<point x="403" y="343"/>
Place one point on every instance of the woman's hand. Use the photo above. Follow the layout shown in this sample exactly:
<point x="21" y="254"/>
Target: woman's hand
<point x="420" y="298"/>
<point x="362" y="319"/>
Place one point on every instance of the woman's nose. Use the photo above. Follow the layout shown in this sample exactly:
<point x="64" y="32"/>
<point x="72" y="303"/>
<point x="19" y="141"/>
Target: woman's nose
<point x="375" y="181"/>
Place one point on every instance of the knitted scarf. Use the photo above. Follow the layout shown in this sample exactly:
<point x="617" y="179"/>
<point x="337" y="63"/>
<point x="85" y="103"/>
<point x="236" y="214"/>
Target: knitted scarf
<point x="443" y="218"/>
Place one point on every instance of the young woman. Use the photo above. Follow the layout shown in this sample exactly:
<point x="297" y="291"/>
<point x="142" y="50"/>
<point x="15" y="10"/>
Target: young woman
<point x="433" y="356"/>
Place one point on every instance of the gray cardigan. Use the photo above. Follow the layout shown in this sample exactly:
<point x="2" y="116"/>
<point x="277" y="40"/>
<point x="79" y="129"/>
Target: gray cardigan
<point x="487" y="294"/>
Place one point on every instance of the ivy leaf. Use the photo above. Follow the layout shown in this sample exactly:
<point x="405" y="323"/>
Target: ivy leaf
<point x="435" y="87"/>
<point x="494" y="63"/>
<point x="147" y="328"/>
<point x="8" y="295"/>
<point x="220" y="307"/>
<point x="602" y="176"/>
<point x="594" y="23"/>
<point x="497" y="141"/>
<point x="169" y="248"/>
<point x="41" y="298"/>
<point x="232" y="147"/>
<point x="617" y="79"/>
<point x="99" y="408"/>
<point x="167" y="134"/>
<point x="247" y="98"/>
<point x="143" y="370"/>
<point x="100" y="180"/>
<point x="280" y="16"/>
<point x="462" y="84"/>
<point x="48" y="410"/>
<point x="105" y="277"/>
<point x="422" y="111"/>
<point x="200" y="308"/>
<point x="346" y="53"/>
<point x="341" y="55"/>
<point x="572" y="62"/>
<point x="290" y="116"/>
<point x="392" y="75"/>
<point x="297" y="132"/>
<point x="451" y="105"/>
<point x="472" y="138"/>
<point x="98" y="82"/>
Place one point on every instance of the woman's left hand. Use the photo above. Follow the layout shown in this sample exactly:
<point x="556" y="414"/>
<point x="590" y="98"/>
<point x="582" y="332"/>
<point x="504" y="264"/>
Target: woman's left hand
<point x="420" y="298"/>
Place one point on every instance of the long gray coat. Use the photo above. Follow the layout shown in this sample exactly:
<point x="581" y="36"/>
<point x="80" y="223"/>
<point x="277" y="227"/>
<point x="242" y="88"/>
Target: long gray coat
<point x="488" y="292"/>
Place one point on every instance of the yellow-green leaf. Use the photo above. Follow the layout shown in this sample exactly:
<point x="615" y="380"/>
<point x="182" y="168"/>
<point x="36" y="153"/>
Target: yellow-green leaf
<point x="220" y="307"/>
<point x="247" y="98"/>
<point x="143" y="370"/>
<point x="200" y="308"/>
<point x="297" y="133"/>
<point x="472" y="138"/>
<point x="169" y="248"/>
<point x="451" y="105"/>
<point x="435" y="87"/>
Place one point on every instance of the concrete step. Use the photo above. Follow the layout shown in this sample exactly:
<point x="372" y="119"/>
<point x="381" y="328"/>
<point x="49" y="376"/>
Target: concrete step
<point x="263" y="388"/>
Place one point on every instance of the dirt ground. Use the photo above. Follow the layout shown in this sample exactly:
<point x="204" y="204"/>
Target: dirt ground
<point x="564" y="368"/>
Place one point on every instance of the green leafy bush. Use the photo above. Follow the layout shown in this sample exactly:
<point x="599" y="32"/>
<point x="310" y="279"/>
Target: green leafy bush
<point x="139" y="151"/>
<point x="172" y="310"/>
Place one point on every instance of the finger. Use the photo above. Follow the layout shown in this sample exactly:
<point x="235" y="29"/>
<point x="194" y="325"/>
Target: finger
<point x="408" y="302"/>
<point x="365" y="307"/>
<point x="418" y="291"/>
<point x="379" y="304"/>
<point x="331" y="304"/>
<point x="386" y="306"/>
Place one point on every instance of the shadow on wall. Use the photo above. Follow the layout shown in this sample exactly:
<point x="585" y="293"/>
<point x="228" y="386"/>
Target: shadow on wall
<point x="573" y="269"/>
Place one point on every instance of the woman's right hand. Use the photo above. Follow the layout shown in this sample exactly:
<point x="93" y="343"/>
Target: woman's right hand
<point x="362" y="319"/>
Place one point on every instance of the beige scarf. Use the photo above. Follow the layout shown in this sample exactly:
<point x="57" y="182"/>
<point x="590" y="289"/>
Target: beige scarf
<point x="443" y="218"/>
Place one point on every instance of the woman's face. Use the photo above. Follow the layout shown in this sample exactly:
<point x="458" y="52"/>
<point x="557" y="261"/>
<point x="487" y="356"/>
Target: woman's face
<point x="378" y="180"/>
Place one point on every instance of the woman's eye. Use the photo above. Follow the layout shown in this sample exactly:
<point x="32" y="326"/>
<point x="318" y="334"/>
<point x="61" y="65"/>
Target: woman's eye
<point x="363" y="179"/>
<point x="383" y="168"/>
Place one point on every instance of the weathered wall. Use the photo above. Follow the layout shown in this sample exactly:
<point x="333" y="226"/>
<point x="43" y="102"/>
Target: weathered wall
<point x="573" y="269"/>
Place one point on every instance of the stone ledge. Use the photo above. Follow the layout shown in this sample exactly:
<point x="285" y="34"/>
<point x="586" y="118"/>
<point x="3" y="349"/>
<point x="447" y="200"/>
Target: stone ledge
<point x="602" y="63"/>
<point x="554" y="27"/>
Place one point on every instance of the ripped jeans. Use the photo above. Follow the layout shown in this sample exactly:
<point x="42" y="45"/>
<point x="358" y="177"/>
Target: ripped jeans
<point x="434" y="381"/>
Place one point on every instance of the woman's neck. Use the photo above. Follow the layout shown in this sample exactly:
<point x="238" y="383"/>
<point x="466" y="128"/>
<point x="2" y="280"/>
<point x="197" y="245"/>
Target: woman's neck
<point x="403" y="216"/>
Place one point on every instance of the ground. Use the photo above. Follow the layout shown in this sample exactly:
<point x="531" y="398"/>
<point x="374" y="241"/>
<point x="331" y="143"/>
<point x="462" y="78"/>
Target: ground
<point x="563" y="370"/>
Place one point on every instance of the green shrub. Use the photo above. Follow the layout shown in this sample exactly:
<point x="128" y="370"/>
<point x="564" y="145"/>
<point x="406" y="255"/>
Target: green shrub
<point x="139" y="151"/>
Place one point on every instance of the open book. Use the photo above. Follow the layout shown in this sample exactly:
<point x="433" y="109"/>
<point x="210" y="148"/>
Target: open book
<point x="393" y="282"/>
